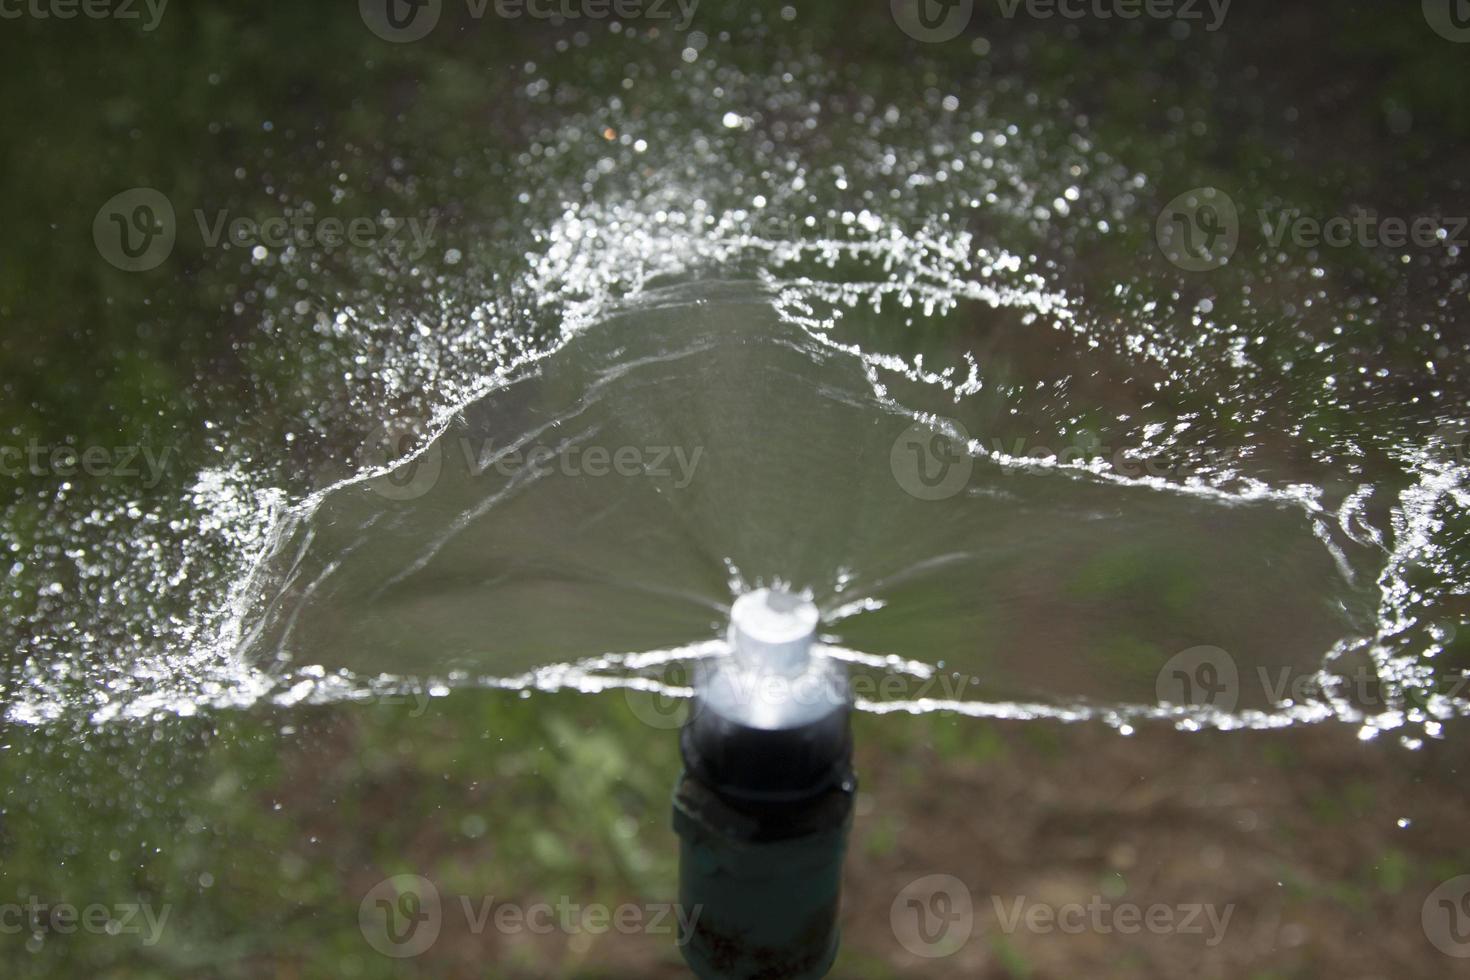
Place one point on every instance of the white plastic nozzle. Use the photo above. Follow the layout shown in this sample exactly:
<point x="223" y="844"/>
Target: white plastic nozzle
<point x="772" y="630"/>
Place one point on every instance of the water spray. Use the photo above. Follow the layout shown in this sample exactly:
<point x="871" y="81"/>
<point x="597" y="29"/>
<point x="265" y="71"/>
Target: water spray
<point x="764" y="805"/>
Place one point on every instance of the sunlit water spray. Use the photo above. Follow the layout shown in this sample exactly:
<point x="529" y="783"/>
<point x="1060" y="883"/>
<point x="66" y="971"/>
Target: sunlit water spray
<point x="1016" y="487"/>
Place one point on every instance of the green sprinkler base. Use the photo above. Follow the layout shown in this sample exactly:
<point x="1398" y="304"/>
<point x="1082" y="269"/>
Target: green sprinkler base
<point x="761" y="886"/>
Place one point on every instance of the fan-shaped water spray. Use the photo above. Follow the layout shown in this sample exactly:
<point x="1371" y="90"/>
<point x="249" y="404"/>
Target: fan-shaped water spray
<point x="1024" y="486"/>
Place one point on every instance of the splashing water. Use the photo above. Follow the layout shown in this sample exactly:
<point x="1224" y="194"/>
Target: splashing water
<point x="885" y="360"/>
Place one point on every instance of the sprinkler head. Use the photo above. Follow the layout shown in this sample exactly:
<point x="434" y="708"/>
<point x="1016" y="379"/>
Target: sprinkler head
<point x="771" y="720"/>
<point x="772" y="630"/>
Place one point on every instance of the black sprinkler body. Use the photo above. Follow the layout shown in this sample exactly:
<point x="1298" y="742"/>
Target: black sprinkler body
<point x="765" y="803"/>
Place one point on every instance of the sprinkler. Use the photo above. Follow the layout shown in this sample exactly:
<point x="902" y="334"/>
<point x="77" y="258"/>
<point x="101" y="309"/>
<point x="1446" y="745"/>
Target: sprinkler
<point x="764" y="805"/>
